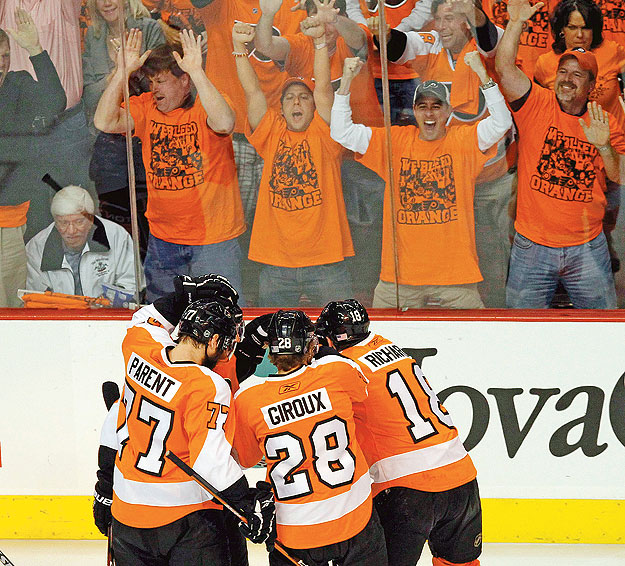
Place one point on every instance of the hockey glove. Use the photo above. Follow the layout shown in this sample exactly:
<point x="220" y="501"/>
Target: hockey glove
<point x="256" y="330"/>
<point x="260" y="513"/>
<point x="210" y="286"/>
<point x="251" y="350"/>
<point x="102" y="512"/>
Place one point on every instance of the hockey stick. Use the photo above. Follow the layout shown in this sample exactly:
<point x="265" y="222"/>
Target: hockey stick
<point x="4" y="560"/>
<point x="110" y="392"/>
<point x="208" y="487"/>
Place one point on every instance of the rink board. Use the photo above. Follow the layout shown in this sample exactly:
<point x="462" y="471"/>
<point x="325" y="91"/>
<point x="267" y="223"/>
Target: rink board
<point x="540" y="404"/>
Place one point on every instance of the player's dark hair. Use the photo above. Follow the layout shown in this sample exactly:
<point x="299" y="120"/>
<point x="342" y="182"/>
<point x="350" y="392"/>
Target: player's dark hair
<point x="593" y="18"/>
<point x="435" y="5"/>
<point x="162" y="60"/>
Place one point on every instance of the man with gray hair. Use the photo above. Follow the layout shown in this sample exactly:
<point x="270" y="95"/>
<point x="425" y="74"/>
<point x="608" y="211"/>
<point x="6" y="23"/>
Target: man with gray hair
<point x="79" y="252"/>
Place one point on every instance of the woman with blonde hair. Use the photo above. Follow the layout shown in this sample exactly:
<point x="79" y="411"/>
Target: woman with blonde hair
<point x="103" y="40"/>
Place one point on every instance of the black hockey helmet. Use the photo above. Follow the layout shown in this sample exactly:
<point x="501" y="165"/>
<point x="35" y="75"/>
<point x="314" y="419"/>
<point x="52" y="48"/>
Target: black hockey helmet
<point x="344" y="322"/>
<point x="290" y="332"/>
<point x="206" y="317"/>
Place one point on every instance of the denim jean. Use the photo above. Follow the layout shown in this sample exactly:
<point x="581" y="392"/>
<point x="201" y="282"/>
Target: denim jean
<point x="492" y="237"/>
<point x="584" y="271"/>
<point x="401" y="95"/>
<point x="284" y="286"/>
<point x="164" y="260"/>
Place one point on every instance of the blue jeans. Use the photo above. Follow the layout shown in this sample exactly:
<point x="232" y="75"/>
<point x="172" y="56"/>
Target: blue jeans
<point x="401" y="95"/>
<point x="284" y="286"/>
<point x="164" y="260"/>
<point x="584" y="271"/>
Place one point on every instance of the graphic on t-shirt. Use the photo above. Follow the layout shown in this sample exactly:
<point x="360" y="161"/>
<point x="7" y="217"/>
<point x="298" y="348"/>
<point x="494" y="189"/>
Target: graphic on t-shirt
<point x="176" y="159"/>
<point x="294" y="183"/>
<point x="536" y="31"/>
<point x="427" y="191"/>
<point x="613" y="15"/>
<point x="565" y="168"/>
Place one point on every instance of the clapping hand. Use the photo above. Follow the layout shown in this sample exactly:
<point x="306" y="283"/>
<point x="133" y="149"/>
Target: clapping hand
<point x="25" y="32"/>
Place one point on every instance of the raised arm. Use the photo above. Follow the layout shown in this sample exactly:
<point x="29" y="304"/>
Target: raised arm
<point x="254" y="96"/>
<point x="274" y="47"/>
<point x="45" y="97"/>
<point x="323" y="93"/>
<point x="353" y="35"/>
<point x="355" y="137"/>
<point x="491" y="129"/>
<point x="220" y="117"/>
<point x="109" y="116"/>
<point x="514" y="82"/>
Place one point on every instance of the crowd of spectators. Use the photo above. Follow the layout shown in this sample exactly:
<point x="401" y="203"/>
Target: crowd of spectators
<point x="257" y="145"/>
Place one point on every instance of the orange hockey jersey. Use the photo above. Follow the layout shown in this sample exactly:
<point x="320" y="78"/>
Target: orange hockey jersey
<point x="303" y="423"/>
<point x="408" y="437"/>
<point x="182" y="407"/>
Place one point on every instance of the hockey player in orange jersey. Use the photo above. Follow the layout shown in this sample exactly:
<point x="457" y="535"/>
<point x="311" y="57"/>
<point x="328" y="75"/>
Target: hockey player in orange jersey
<point x="173" y="400"/>
<point x="424" y="482"/>
<point x="301" y="419"/>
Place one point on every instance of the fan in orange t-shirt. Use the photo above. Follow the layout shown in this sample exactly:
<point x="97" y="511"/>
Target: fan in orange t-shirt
<point x="428" y="211"/>
<point x="189" y="162"/>
<point x="579" y="23"/>
<point x="300" y="229"/>
<point x="568" y="146"/>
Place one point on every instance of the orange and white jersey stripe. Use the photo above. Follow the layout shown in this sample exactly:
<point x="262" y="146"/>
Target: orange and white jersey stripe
<point x="406" y="434"/>
<point x="303" y="423"/>
<point x="165" y="405"/>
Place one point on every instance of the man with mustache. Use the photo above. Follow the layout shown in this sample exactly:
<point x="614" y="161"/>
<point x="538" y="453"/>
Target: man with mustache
<point x="567" y="148"/>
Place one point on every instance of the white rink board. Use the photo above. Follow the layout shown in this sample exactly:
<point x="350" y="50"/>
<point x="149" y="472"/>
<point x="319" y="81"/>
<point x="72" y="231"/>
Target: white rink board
<point x="51" y="404"/>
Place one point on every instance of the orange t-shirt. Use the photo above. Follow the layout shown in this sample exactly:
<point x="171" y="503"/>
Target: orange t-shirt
<point x="193" y="193"/>
<point x="535" y="40"/>
<point x="178" y="13"/>
<point x="303" y="423"/>
<point x="433" y="201"/>
<point x="181" y="407"/>
<point x="13" y="216"/>
<point x="561" y="185"/>
<point x="395" y="11"/>
<point x="465" y="96"/>
<point x="300" y="63"/>
<point x="610" y="60"/>
<point x="407" y="436"/>
<point x="300" y="217"/>
<point x="219" y="17"/>
<point x="613" y="20"/>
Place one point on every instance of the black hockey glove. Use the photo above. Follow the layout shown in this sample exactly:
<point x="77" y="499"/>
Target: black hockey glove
<point x="210" y="286"/>
<point x="250" y="351"/>
<point x="102" y="512"/>
<point x="260" y="513"/>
